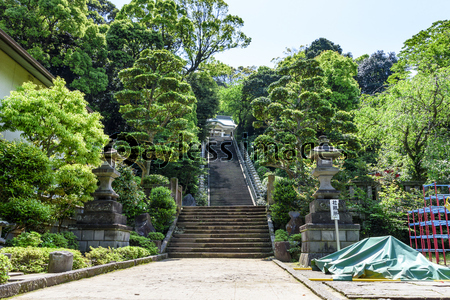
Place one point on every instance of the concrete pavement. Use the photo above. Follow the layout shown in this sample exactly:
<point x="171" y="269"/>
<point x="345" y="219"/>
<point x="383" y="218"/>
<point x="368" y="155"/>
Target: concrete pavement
<point x="186" y="279"/>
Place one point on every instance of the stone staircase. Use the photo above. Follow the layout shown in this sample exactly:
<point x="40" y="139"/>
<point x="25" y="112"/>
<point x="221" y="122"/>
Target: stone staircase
<point x="221" y="232"/>
<point x="226" y="182"/>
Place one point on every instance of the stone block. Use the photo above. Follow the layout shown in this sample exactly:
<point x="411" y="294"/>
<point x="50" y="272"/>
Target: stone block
<point x="293" y="227"/>
<point x="77" y="233"/>
<point x="99" y="235"/>
<point x="101" y="218"/>
<point x="60" y="261"/>
<point x="328" y="235"/>
<point x="325" y="218"/>
<point x="342" y="236"/>
<point x="106" y="244"/>
<point x="281" y="251"/>
<point x="83" y="246"/>
<point x="352" y="235"/>
<point x="143" y="224"/>
<point x="93" y="244"/>
<point x="113" y="235"/>
<point x="87" y="235"/>
<point x="103" y="206"/>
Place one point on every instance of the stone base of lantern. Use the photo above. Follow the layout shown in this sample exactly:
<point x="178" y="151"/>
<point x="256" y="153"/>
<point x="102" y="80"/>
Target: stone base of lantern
<point x="90" y="235"/>
<point x="319" y="240"/>
<point x="102" y="225"/>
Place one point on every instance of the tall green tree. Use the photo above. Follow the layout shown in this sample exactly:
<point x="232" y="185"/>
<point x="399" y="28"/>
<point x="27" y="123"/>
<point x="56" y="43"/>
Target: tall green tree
<point x="156" y="103"/>
<point x="207" y="93"/>
<point x="426" y="51"/>
<point x="374" y="71"/>
<point x="214" y="31"/>
<point x="320" y="45"/>
<point x="406" y="119"/>
<point x="295" y="110"/>
<point x="60" y="35"/>
<point x="339" y="72"/>
<point x="57" y="122"/>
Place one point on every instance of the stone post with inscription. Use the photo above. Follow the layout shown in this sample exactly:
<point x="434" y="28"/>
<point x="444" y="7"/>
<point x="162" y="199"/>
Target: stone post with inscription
<point x="102" y="222"/>
<point x="318" y="233"/>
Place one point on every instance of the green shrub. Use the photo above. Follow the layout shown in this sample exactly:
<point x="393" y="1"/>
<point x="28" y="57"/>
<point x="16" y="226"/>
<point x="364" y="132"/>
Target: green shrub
<point x="162" y="208"/>
<point x="53" y="240"/>
<point x="281" y="235"/>
<point x="155" y="179"/>
<point x="285" y="200"/>
<point x="25" y="239"/>
<point x="140" y="241"/>
<point x="35" y="260"/>
<point x="132" y="252"/>
<point x="101" y="256"/>
<point x="132" y="196"/>
<point x="155" y="236"/>
<point x="5" y="266"/>
<point x="72" y="241"/>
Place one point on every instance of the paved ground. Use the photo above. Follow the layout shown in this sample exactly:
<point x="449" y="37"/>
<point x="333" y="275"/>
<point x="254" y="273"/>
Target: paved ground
<point x="186" y="279"/>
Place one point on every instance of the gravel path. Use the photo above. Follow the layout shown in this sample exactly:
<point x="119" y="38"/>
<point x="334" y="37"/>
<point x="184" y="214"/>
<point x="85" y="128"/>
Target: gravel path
<point x="185" y="279"/>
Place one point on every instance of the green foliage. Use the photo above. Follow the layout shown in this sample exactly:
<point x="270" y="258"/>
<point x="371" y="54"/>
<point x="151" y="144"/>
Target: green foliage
<point x="295" y="111"/>
<point x="201" y="198"/>
<point x="72" y="240"/>
<point x="25" y="239"/>
<point x="56" y="121"/>
<point x="285" y="200"/>
<point x="162" y="208"/>
<point x="29" y="213"/>
<point x="214" y="31"/>
<point x="155" y="236"/>
<point x="100" y="256"/>
<point x="207" y="93"/>
<point x="141" y="241"/>
<point x="53" y="240"/>
<point x="5" y="267"/>
<point x="339" y="73"/>
<point x="24" y="170"/>
<point x="320" y="45"/>
<point x="130" y="193"/>
<point x="154" y="102"/>
<point x="281" y="235"/>
<point x="59" y="35"/>
<point x="131" y="252"/>
<point x="155" y="179"/>
<point x="35" y="260"/>
<point x="374" y="71"/>
<point x="405" y="120"/>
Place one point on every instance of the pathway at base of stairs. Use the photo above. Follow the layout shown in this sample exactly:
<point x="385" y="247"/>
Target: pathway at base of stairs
<point x="198" y="279"/>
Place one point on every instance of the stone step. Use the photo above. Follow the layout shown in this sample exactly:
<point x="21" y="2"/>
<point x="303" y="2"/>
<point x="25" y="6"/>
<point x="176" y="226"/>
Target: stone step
<point x="217" y="255"/>
<point x="230" y="208"/>
<point x="215" y="219"/>
<point x="224" y="213"/>
<point x="222" y="235"/>
<point x="225" y="231"/>
<point x="183" y="244"/>
<point x="221" y="227"/>
<point x="221" y="249"/>
<point x="206" y="240"/>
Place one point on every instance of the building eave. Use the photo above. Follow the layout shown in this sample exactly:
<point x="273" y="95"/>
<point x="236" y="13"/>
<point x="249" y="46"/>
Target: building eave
<point x="23" y="58"/>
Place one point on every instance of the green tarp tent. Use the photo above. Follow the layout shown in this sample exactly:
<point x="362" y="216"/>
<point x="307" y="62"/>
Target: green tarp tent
<point x="380" y="257"/>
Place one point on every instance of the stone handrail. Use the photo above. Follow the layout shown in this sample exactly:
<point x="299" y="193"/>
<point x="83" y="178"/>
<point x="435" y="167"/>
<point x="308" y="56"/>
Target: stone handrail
<point x="259" y="189"/>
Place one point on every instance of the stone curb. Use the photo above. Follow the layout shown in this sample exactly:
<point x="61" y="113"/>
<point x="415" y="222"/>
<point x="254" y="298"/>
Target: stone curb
<point x="25" y="286"/>
<point x="313" y="286"/>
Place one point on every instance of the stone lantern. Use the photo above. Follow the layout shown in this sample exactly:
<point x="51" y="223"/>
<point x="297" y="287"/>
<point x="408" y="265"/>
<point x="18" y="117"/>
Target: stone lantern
<point x="318" y="233"/>
<point x="102" y="222"/>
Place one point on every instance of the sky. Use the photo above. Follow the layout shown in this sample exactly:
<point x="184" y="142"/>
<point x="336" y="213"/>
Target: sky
<point x="358" y="26"/>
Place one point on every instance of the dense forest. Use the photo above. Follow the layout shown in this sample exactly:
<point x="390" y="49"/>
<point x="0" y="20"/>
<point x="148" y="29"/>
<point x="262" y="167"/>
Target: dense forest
<point x="149" y="71"/>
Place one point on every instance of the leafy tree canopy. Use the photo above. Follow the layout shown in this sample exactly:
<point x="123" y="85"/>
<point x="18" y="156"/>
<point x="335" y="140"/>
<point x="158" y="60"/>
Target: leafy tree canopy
<point x="406" y="119"/>
<point x="320" y="45"/>
<point x="374" y="71"/>
<point x="156" y="103"/>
